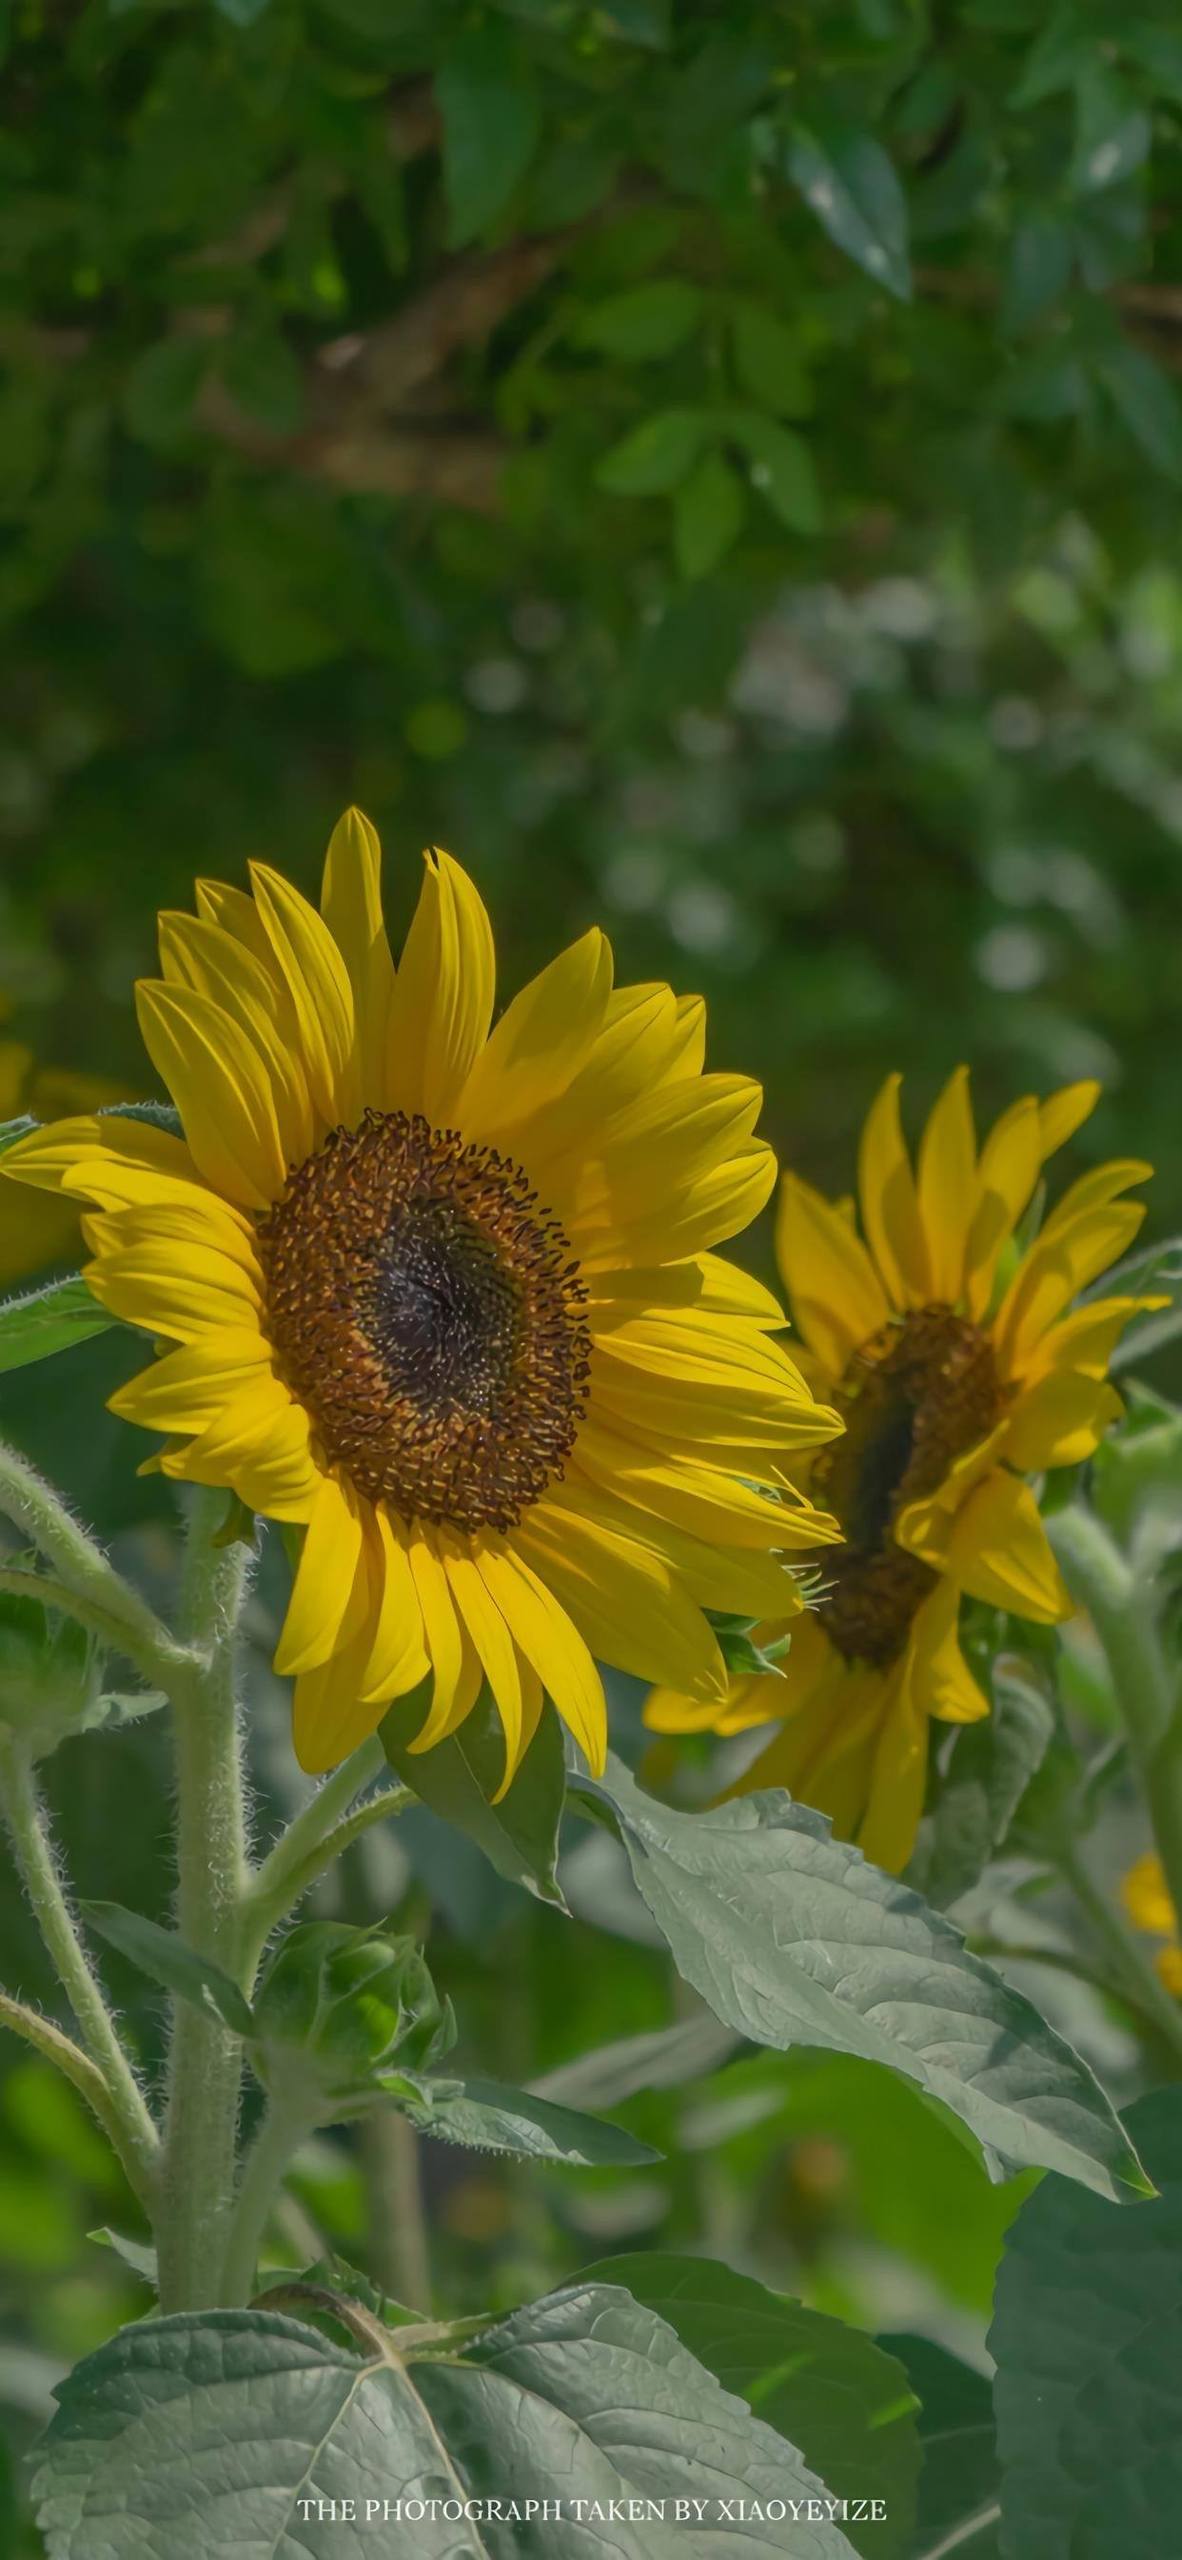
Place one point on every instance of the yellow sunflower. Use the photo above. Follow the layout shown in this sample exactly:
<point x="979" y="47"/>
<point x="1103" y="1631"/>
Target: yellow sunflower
<point x="1148" y="1901"/>
<point x="959" y="1370"/>
<point x="444" y="1294"/>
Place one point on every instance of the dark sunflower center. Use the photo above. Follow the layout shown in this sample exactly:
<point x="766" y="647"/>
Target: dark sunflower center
<point x="913" y="1399"/>
<point x="428" y="1314"/>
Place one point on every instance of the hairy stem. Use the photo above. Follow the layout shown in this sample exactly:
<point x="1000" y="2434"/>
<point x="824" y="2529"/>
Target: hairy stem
<point x="279" y="2136"/>
<point x="23" y="1813"/>
<point x="197" y="2186"/>
<point x="312" y="1843"/>
<point x="87" y="1576"/>
<point x="76" y="2066"/>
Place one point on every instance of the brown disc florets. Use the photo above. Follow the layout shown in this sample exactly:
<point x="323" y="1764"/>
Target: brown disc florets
<point x="427" y="1313"/>
<point x="913" y="1399"/>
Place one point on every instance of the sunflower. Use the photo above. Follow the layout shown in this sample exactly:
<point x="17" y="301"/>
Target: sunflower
<point x="444" y="1295"/>
<point x="959" y="1369"/>
<point x="1147" y="1899"/>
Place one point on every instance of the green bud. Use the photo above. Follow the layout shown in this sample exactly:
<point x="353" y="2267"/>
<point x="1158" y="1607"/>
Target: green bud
<point x="340" y="2010"/>
<point x="50" y="1674"/>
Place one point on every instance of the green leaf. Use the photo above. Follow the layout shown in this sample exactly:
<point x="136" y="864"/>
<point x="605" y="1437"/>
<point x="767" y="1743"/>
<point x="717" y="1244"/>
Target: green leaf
<point x="135" y="2253"/>
<point x="481" y="2115"/>
<point x="262" y="376"/>
<point x="834" y="2393"/>
<point x="769" y="362"/>
<point x="1148" y="402"/>
<point x="848" y="181"/>
<point x="491" y="124"/>
<point x="666" y="2059"/>
<point x="957" y="2508"/>
<point x="49" y="1320"/>
<point x="990" y="1769"/>
<point x="166" y="1959"/>
<point x="13" y="1130"/>
<point x="650" y="320"/>
<point x="1087" y="2336"/>
<point x="1112" y="131"/>
<point x="708" y="512"/>
<point x="656" y="455"/>
<point x="794" y="1940"/>
<point x="460" y="1776"/>
<point x="1039" y="270"/>
<point x="160" y="391"/>
<point x="255" y="2422"/>
<point x="781" y="469"/>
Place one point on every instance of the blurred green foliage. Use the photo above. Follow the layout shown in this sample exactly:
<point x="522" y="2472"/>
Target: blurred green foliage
<point x="718" y="470"/>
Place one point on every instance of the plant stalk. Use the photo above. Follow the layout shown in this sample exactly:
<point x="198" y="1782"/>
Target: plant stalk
<point x="87" y="1576"/>
<point x="279" y="2136"/>
<point x="1121" y="1609"/>
<point x="138" y="2142"/>
<point x="205" y="2075"/>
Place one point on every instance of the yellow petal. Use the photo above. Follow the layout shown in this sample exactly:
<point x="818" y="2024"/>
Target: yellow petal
<point x="1086" y="1339"/>
<point x="942" y="1683"/>
<point x="182" y="1391"/>
<point x="837" y="1298"/>
<point x="1064" y="1112"/>
<point x="457" y="1671"/>
<point x="948" y="1187"/>
<point x="1059" y="1264"/>
<point x="351" y="905"/>
<point x="626" y="1601"/>
<point x="541" y="1040"/>
<point x="442" y="1001"/>
<point x="397" y="1659"/>
<point x="1059" y="1420"/>
<point x="546" y="1636"/>
<point x="201" y="956"/>
<point x="663" y="1152"/>
<point x="331" y="1587"/>
<point x="890" y="1209"/>
<point x="180" y="1297"/>
<point x="83" y="1152"/>
<point x="1011" y="1160"/>
<point x="318" y="985"/>
<point x="698" y="1497"/>
<point x="489" y="1634"/>
<point x="220" y="1086"/>
<point x="329" y="1718"/>
<point x="999" y="1551"/>
<point x="886" y="1834"/>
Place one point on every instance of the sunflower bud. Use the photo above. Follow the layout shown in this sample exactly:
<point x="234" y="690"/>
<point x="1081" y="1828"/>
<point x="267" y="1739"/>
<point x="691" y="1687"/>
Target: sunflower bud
<point x="346" y="2009"/>
<point x="50" y="1674"/>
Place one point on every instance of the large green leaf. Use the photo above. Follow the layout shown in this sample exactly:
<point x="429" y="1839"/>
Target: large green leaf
<point x="957" y="2508"/>
<point x="490" y="124"/>
<point x="1087" y="2334"/>
<point x="794" y="1940"/>
<point x="991" y="1766"/>
<point x="261" y="2426"/>
<point x="459" y="1778"/>
<point x="829" y="2389"/>
<point x="48" y="1320"/>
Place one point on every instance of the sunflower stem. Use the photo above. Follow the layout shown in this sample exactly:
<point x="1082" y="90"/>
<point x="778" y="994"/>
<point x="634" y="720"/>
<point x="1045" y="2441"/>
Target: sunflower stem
<point x="278" y="2138"/>
<point x="205" y="2063"/>
<point x="127" y="2118"/>
<point x="89" y="1587"/>
<point x="1122" y="1609"/>
<point x="1146" y="1991"/>
<point x="301" y="1856"/>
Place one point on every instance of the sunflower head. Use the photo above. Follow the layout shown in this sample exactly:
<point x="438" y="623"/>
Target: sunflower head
<point x="960" y="1365"/>
<point x="442" y="1292"/>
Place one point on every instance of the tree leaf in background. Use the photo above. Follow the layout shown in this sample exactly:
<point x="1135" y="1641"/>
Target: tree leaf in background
<point x="166" y="1959"/>
<point x="1147" y="401"/>
<point x="491" y="124"/>
<point x="769" y="361"/>
<point x="656" y="455"/>
<point x="1087" y="2336"/>
<point x="708" y="513"/>
<point x="990" y="1767"/>
<point x="794" y="1940"/>
<point x="850" y="184"/>
<point x="957" y="2507"/>
<point x="47" y="1320"/>
<point x="459" y="1777"/>
<point x="481" y="2115"/>
<point x="782" y="469"/>
<point x="648" y="321"/>
<point x="845" y="2402"/>
<point x="238" y="2416"/>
